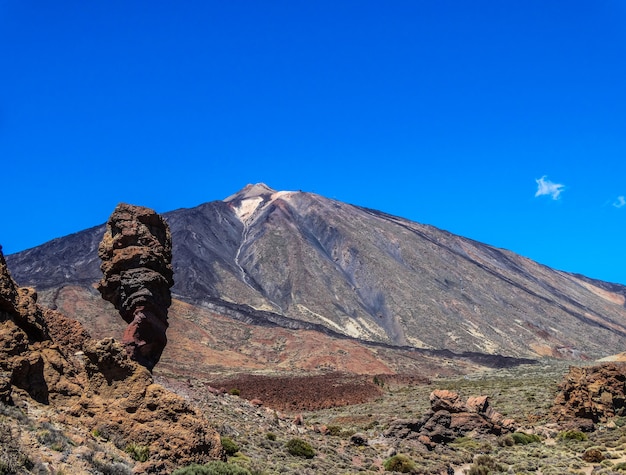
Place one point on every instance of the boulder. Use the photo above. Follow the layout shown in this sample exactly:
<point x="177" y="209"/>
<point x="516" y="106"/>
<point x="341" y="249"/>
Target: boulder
<point x="588" y="395"/>
<point x="449" y="417"/>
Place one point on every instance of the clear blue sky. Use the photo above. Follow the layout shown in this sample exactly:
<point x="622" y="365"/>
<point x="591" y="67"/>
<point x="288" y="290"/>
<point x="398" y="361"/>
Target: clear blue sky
<point x="502" y="121"/>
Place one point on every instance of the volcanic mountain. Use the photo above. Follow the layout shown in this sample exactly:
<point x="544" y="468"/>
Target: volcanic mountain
<point x="299" y="262"/>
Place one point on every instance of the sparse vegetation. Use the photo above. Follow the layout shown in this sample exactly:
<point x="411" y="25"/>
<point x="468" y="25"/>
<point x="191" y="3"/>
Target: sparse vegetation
<point x="51" y="437"/>
<point x="485" y="465"/>
<point x="212" y="468"/>
<point x="262" y="439"/>
<point x="110" y="468"/>
<point x="399" y="463"/>
<point x="12" y="456"/>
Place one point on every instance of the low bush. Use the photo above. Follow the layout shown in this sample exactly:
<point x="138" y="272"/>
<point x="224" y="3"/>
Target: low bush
<point x="300" y="448"/>
<point x="572" y="435"/>
<point x="212" y="468"/>
<point x="229" y="445"/>
<point x="485" y="465"/>
<point x="522" y="438"/>
<point x="399" y="463"/>
<point x="472" y="445"/>
<point x="140" y="453"/>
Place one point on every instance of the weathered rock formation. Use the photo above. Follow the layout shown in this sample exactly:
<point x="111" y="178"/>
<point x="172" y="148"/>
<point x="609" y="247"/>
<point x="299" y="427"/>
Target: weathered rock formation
<point x="136" y="253"/>
<point x="450" y="417"/>
<point x="588" y="395"/>
<point x="49" y="364"/>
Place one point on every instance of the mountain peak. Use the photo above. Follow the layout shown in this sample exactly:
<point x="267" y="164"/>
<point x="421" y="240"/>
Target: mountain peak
<point x="251" y="191"/>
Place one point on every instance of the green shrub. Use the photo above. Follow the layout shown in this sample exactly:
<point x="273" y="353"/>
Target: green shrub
<point x="485" y="465"/>
<point x="230" y="446"/>
<point x="212" y="468"/>
<point x="399" y="463"/>
<point x="234" y="392"/>
<point x="620" y="466"/>
<point x="334" y="430"/>
<point x="300" y="448"/>
<point x="338" y="431"/>
<point x="270" y="436"/>
<point x="522" y="438"/>
<point x="137" y="452"/>
<point x="472" y="445"/>
<point x="572" y="435"/>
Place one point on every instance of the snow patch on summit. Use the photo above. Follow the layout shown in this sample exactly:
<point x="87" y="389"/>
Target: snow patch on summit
<point x="248" y="206"/>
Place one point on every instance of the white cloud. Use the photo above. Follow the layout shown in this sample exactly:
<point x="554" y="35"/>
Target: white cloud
<point x="620" y="202"/>
<point x="546" y="187"/>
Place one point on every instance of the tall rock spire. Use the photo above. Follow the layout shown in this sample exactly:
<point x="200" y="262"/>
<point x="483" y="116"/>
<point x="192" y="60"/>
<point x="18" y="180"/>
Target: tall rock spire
<point x="136" y="253"/>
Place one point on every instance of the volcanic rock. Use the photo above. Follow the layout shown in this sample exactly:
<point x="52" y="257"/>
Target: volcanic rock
<point x="449" y="418"/>
<point x="136" y="254"/>
<point x="19" y="305"/>
<point x="48" y="363"/>
<point x="591" y="394"/>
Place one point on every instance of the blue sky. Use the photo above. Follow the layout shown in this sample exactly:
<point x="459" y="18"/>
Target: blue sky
<point x="501" y="121"/>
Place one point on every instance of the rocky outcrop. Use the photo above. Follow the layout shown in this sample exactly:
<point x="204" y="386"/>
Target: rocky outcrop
<point x="19" y="305"/>
<point x="49" y="364"/>
<point x="136" y="253"/>
<point x="450" y="417"/>
<point x="588" y="395"/>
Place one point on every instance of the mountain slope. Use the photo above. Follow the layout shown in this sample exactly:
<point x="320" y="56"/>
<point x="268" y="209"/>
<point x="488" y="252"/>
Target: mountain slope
<point x="308" y="261"/>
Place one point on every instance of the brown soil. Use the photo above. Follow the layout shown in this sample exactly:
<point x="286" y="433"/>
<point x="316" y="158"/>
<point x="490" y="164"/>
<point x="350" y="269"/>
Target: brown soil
<point x="303" y="393"/>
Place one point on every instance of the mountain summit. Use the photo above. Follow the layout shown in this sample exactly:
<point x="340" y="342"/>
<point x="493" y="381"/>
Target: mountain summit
<point x="300" y="260"/>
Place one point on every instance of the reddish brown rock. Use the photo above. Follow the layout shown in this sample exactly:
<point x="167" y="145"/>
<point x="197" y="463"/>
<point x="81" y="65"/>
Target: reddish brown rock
<point x="449" y="418"/>
<point x="588" y="395"/>
<point x="136" y="253"/>
<point x="20" y="305"/>
<point x="442" y="399"/>
<point x="49" y="363"/>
